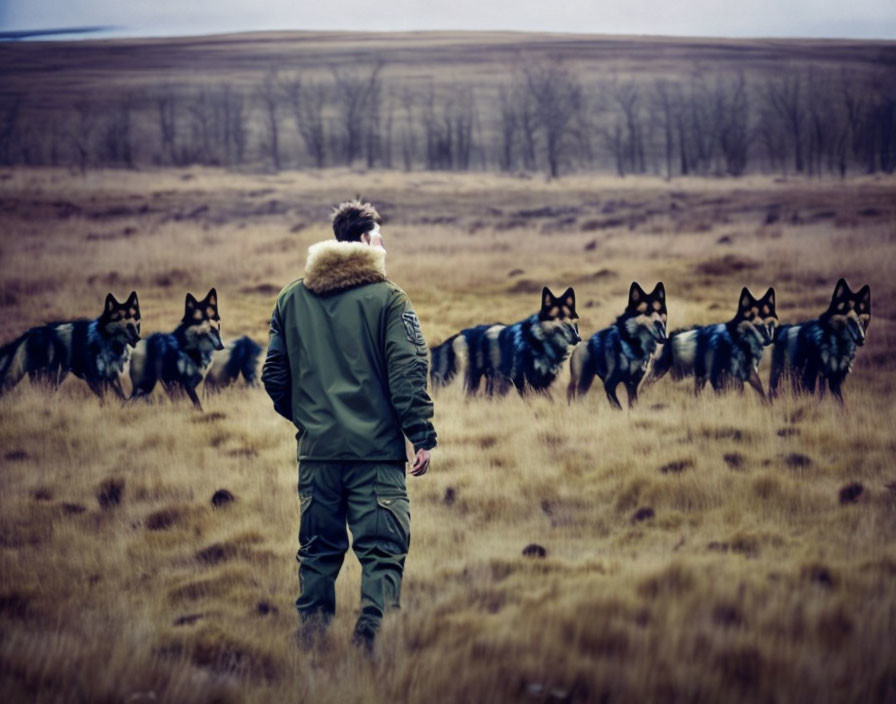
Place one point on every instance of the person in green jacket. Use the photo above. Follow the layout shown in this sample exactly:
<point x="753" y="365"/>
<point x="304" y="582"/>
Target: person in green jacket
<point x="347" y="365"/>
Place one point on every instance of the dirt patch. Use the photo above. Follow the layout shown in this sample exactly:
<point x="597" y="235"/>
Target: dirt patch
<point x="850" y="493"/>
<point x="796" y="460"/>
<point x="676" y="467"/>
<point x="643" y="514"/>
<point x="110" y="493"/>
<point x="163" y="519"/>
<point x="222" y="497"/>
<point x="726" y="265"/>
<point x="526" y="286"/>
<point x="734" y="460"/>
<point x="535" y="550"/>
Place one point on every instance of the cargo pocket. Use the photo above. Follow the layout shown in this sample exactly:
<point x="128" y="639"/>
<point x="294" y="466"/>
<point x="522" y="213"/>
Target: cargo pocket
<point x="306" y="535"/>
<point x="393" y="520"/>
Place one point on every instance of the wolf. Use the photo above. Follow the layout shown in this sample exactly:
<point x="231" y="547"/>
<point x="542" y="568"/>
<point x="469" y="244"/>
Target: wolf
<point x="823" y="350"/>
<point x="727" y="354"/>
<point x="96" y="350"/>
<point x="239" y="357"/>
<point x="526" y="355"/>
<point x="179" y="359"/>
<point x="622" y="352"/>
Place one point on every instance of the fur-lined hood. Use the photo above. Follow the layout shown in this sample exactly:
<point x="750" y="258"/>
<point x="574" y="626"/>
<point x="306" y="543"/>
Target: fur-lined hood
<point x="334" y="266"/>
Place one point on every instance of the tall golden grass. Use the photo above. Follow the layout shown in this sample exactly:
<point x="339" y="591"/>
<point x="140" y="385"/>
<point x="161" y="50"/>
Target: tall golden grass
<point x="696" y="548"/>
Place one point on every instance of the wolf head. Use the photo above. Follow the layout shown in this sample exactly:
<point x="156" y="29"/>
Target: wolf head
<point x="850" y="311"/>
<point x="558" y="315"/>
<point x="758" y="313"/>
<point x="202" y="323"/>
<point x="120" y="322"/>
<point x="647" y="311"/>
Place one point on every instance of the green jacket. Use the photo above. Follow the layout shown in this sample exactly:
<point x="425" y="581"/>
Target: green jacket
<point x="346" y="360"/>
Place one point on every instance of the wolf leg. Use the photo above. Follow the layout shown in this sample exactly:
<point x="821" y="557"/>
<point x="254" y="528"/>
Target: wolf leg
<point x="116" y="387"/>
<point x="808" y="378"/>
<point x="610" y="385"/>
<point x="836" y="383"/>
<point x="191" y="392"/>
<point x="699" y="383"/>
<point x="631" y="386"/>
<point x="579" y="387"/>
<point x="756" y="383"/>
<point x="472" y="380"/>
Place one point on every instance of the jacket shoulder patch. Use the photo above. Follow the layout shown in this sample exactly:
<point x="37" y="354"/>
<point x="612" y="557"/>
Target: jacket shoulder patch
<point x="412" y="328"/>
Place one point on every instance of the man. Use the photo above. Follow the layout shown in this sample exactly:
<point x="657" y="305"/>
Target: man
<point x="346" y="363"/>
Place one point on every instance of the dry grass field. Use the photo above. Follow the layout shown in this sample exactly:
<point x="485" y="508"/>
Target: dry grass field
<point x="697" y="549"/>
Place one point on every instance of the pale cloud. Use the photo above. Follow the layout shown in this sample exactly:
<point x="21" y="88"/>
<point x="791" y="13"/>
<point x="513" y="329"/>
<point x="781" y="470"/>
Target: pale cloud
<point x="809" y="18"/>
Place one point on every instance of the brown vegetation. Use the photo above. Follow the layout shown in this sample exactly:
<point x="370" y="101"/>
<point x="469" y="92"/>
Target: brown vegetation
<point x="704" y="548"/>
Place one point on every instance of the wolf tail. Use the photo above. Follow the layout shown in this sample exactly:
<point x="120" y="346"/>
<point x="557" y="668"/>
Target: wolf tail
<point x="779" y="360"/>
<point x="581" y="372"/>
<point x="244" y="360"/>
<point x="662" y="363"/>
<point x="13" y="362"/>
<point x="443" y="365"/>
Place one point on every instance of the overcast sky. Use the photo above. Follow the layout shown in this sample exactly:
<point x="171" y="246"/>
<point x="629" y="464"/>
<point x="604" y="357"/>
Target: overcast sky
<point x="748" y="18"/>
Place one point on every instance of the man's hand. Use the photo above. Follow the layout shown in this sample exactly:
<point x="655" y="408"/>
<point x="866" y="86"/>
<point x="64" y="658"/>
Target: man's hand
<point x="421" y="463"/>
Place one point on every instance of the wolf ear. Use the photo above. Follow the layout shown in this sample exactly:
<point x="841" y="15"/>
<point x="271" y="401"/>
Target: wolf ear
<point x="769" y="296"/>
<point x="746" y="298"/>
<point x="110" y="305"/>
<point x="636" y="293"/>
<point x="841" y="290"/>
<point x="569" y="298"/>
<point x="659" y="292"/>
<point x="132" y="300"/>
<point x="190" y="302"/>
<point x="547" y="298"/>
<point x="864" y="297"/>
<point x="212" y="298"/>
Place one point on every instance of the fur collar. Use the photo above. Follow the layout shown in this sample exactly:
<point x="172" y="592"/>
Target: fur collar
<point x="334" y="266"/>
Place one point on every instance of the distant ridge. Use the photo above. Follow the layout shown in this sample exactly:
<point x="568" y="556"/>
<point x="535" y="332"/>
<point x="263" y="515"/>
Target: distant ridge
<point x="31" y="33"/>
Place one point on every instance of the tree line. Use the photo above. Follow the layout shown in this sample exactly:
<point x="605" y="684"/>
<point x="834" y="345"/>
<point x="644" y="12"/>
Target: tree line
<point x="543" y="117"/>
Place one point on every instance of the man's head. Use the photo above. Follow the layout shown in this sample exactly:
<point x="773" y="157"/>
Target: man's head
<point x="354" y="221"/>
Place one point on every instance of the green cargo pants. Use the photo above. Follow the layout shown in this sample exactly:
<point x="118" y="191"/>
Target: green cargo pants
<point x="372" y="497"/>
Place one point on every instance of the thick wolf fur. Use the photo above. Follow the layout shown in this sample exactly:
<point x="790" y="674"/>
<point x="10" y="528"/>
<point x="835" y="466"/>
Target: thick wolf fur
<point x="823" y="350"/>
<point x="621" y="353"/>
<point x="726" y="354"/>
<point x="179" y="359"/>
<point x="239" y="357"/>
<point x="96" y="351"/>
<point x="526" y="355"/>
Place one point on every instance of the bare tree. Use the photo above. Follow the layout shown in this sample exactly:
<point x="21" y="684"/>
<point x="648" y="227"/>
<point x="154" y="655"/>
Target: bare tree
<point x="310" y="119"/>
<point x="116" y="145"/>
<point x="357" y="104"/>
<point x="81" y="133"/>
<point x="10" y="109"/>
<point x="268" y="94"/>
<point x="518" y="124"/>
<point x="663" y="107"/>
<point x="407" y="136"/>
<point x="508" y="125"/>
<point x="557" y="97"/>
<point x="166" y="110"/>
<point x="733" y="117"/>
<point x="784" y="97"/>
<point x="621" y="126"/>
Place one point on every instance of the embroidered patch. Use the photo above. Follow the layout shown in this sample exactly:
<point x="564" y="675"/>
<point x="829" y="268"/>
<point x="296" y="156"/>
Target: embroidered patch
<point x="412" y="328"/>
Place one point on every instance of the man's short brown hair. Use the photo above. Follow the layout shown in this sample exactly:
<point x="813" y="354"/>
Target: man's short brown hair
<point x="354" y="218"/>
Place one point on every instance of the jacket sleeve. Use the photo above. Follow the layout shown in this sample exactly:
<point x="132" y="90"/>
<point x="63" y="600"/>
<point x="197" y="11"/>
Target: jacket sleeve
<point x="406" y="361"/>
<point x="275" y="374"/>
